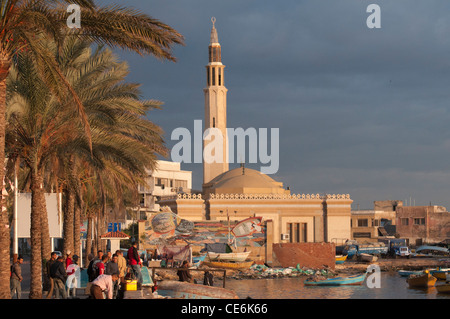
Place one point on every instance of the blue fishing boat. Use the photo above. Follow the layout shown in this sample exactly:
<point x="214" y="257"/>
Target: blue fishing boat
<point x="431" y="251"/>
<point x="407" y="273"/>
<point x="337" y="281"/>
<point x="197" y="261"/>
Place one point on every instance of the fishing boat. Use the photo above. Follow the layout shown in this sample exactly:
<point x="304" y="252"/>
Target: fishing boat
<point x="337" y="281"/>
<point x="431" y="251"/>
<point x="237" y="257"/>
<point x="443" y="289"/>
<point x="197" y="261"/>
<point x="223" y="252"/>
<point x="247" y="227"/>
<point x="340" y="259"/>
<point x="421" y="281"/>
<point x="407" y="273"/>
<point x="367" y="257"/>
<point x="228" y="265"/>
<point x="440" y="273"/>
<point x="185" y="290"/>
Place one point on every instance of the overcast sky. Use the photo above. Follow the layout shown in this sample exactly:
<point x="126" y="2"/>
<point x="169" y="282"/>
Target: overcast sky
<point x="361" y="111"/>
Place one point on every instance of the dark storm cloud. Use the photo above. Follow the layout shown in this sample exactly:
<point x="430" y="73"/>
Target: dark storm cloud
<point x="360" y="111"/>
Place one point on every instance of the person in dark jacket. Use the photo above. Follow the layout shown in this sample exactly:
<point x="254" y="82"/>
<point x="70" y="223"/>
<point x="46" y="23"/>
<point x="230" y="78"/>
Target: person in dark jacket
<point x="16" y="278"/>
<point x="113" y="268"/>
<point x="208" y="279"/>
<point x="59" y="275"/>
<point x="184" y="274"/>
<point x="48" y="280"/>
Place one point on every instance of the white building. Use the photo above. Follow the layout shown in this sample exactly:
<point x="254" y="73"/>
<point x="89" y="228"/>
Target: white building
<point x="166" y="180"/>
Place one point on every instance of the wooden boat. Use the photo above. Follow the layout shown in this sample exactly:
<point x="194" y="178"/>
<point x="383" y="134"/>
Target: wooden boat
<point x="238" y="257"/>
<point x="340" y="259"/>
<point x="228" y="265"/>
<point x="197" y="261"/>
<point x="440" y="273"/>
<point x="247" y="227"/>
<point x="443" y="289"/>
<point x="185" y="290"/>
<point x="338" y="281"/>
<point x="421" y="281"/>
<point x="431" y="251"/>
<point x="367" y="257"/>
<point x="407" y="273"/>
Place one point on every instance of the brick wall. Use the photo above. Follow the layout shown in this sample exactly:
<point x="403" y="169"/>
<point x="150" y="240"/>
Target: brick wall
<point x="309" y="255"/>
<point x="435" y="229"/>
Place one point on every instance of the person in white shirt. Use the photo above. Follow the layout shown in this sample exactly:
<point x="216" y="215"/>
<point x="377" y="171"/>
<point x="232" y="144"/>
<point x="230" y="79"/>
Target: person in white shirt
<point x="73" y="275"/>
<point x="103" y="284"/>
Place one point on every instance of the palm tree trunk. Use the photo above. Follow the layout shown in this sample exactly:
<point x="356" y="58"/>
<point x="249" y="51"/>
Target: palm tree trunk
<point x="88" y="239"/>
<point x="45" y="235"/>
<point x="46" y="241"/>
<point x="5" y="63"/>
<point x="95" y="230"/>
<point x="76" y="229"/>
<point x="69" y="209"/>
<point x="36" y="234"/>
<point x="68" y="220"/>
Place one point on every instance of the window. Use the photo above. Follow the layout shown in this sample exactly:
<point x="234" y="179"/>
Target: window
<point x="208" y="77"/>
<point x="297" y="232"/>
<point x="303" y="233"/>
<point x="220" y="76"/>
<point x="180" y="183"/>
<point x="375" y="222"/>
<point x="214" y="76"/>
<point x="419" y="221"/>
<point x="404" y="221"/>
<point x="363" y="223"/>
<point x="361" y="235"/>
<point x="214" y="122"/>
<point x="161" y="182"/>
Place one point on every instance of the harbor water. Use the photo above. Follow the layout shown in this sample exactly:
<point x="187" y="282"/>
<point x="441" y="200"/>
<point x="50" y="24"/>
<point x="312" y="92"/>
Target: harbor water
<point x="392" y="286"/>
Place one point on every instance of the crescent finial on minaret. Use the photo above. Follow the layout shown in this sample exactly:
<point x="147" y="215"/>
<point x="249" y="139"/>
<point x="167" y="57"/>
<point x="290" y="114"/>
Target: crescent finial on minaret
<point x="214" y="36"/>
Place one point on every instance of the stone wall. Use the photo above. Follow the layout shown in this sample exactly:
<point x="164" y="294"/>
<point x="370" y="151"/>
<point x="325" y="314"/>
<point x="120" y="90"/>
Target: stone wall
<point x="309" y="255"/>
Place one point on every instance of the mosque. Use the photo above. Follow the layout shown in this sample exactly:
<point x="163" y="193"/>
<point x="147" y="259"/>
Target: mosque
<point x="242" y="192"/>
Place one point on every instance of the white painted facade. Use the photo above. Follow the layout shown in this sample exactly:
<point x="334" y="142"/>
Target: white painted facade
<point x="166" y="180"/>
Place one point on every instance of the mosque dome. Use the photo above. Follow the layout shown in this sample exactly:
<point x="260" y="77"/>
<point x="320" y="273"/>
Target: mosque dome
<point x="244" y="180"/>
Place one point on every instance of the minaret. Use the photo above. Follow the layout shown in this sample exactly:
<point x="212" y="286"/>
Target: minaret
<point x="215" y="105"/>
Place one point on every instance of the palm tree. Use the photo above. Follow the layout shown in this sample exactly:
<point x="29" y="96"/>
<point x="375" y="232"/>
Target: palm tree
<point x="123" y="142"/>
<point x="27" y="24"/>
